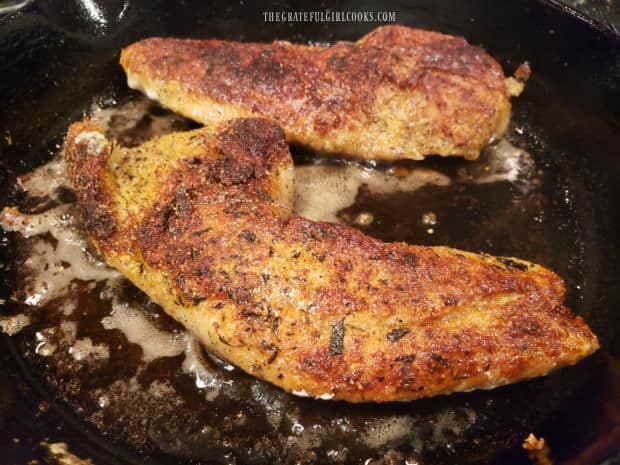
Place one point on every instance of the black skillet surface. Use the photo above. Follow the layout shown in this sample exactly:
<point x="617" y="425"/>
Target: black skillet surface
<point x="58" y="56"/>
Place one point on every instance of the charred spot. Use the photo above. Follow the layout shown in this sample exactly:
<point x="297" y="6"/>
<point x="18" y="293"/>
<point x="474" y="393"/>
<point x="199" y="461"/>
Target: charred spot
<point x="264" y="196"/>
<point x="439" y="359"/>
<point x="296" y="254"/>
<point x="166" y="216"/>
<point x="248" y="235"/>
<point x="250" y="313"/>
<point x="224" y="54"/>
<point x="195" y="299"/>
<point x="203" y="271"/>
<point x="245" y="146"/>
<point x="336" y="341"/>
<point x="239" y="295"/>
<point x="405" y="358"/>
<point x="235" y="211"/>
<point x="397" y="333"/>
<point x="337" y="62"/>
<point x="179" y="279"/>
<point x="265" y="68"/>
<point x="512" y="264"/>
<point x="268" y="310"/>
<point x="177" y="213"/>
<point x="272" y="349"/>
<point x="524" y="327"/>
<point x="406" y="384"/>
<point x="200" y="232"/>
<point x="315" y="231"/>
<point x="275" y="324"/>
<point x="450" y="300"/>
<point x="412" y="80"/>
<point x="354" y="377"/>
<point x="265" y="277"/>
<point x="273" y="355"/>
<point x="410" y="258"/>
<point x="327" y="121"/>
<point x="101" y="221"/>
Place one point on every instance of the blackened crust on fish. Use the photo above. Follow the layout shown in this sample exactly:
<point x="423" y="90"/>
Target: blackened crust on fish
<point x="396" y="93"/>
<point x="245" y="145"/>
<point x="315" y="306"/>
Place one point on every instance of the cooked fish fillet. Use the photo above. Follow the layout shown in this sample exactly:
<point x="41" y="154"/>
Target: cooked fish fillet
<point x="201" y="222"/>
<point x="396" y="93"/>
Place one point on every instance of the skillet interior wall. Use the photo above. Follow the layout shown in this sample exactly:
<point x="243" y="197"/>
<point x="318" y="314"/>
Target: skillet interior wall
<point x="56" y="57"/>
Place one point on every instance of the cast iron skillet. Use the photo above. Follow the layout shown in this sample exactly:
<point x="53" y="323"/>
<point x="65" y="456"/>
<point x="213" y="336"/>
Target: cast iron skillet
<point x="57" y="56"/>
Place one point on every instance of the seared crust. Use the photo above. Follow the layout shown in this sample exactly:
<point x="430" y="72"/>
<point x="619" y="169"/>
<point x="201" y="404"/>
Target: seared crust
<point x="396" y="93"/>
<point x="202" y="226"/>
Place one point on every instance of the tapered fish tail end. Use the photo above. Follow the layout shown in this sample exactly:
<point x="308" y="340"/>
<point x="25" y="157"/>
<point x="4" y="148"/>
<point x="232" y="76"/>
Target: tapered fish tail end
<point x="579" y="341"/>
<point x="86" y="153"/>
<point x="85" y="145"/>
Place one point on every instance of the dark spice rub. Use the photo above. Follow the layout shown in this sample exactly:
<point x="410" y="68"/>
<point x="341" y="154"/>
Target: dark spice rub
<point x="396" y="93"/>
<point x="201" y="222"/>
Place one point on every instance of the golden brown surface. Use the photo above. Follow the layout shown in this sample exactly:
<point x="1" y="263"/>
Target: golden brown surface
<point x="200" y="221"/>
<point x="396" y="93"/>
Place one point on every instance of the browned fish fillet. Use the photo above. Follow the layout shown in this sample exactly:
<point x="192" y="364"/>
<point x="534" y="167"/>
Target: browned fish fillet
<point x="201" y="222"/>
<point x="396" y="93"/>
